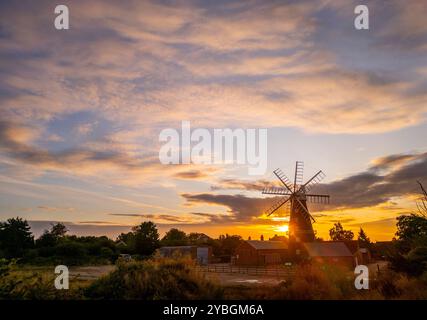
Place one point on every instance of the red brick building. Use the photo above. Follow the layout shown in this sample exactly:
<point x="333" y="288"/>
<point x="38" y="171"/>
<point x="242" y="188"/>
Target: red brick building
<point x="330" y="252"/>
<point x="259" y="253"/>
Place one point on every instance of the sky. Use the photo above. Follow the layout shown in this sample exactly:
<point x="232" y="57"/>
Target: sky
<point x="81" y="111"/>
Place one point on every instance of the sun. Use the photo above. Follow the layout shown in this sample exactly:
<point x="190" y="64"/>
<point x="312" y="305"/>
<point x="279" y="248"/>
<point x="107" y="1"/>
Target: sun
<point x="284" y="228"/>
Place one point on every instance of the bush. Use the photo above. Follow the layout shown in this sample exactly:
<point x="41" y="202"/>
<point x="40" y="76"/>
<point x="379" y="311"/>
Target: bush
<point x="4" y="267"/>
<point x="19" y="285"/>
<point x="412" y="264"/>
<point x="70" y="249"/>
<point x="393" y="285"/>
<point x="106" y="253"/>
<point x="310" y="282"/>
<point x="154" y="280"/>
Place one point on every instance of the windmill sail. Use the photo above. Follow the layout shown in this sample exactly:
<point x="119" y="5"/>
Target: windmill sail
<point x="297" y="195"/>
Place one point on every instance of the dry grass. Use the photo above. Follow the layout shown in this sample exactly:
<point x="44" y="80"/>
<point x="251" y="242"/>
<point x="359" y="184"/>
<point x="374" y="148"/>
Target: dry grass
<point x="155" y="279"/>
<point x="159" y="279"/>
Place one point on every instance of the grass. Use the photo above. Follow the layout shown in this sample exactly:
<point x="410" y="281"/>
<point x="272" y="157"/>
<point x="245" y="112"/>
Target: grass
<point x="176" y="279"/>
<point x="155" y="280"/>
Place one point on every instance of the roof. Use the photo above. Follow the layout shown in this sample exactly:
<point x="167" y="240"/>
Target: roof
<point x="327" y="249"/>
<point x="264" y="245"/>
<point x="177" y="247"/>
<point x="352" y="245"/>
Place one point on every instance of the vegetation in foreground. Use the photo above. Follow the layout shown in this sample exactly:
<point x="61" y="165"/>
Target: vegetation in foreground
<point x="154" y="279"/>
<point x="176" y="279"/>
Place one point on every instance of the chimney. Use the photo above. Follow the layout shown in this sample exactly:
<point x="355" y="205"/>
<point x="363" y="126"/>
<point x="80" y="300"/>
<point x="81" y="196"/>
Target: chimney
<point x="262" y="238"/>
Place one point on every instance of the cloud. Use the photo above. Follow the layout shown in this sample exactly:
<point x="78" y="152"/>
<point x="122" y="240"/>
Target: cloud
<point x="86" y="128"/>
<point x="237" y="184"/>
<point x="392" y="161"/>
<point x="372" y="187"/>
<point x="152" y="64"/>
<point x="405" y="26"/>
<point x="156" y="217"/>
<point x="362" y="190"/>
<point x="137" y="67"/>
<point x="117" y="165"/>
<point x="94" y="228"/>
<point x="13" y="138"/>
<point x="240" y="208"/>
<point x="196" y="174"/>
<point x="100" y="223"/>
<point x="56" y="209"/>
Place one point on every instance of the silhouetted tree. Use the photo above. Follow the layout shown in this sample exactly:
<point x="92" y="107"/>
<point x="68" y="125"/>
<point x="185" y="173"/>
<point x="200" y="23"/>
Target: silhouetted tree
<point x="337" y="233"/>
<point x="15" y="237"/>
<point x="175" y="237"/>
<point x="198" y="238"/>
<point x="411" y="231"/>
<point x="146" y="238"/>
<point x="422" y="203"/>
<point x="363" y="239"/>
<point x="50" y="238"/>
<point x="125" y="237"/>
<point x="58" y="230"/>
<point x="228" y="244"/>
<point x="278" y="238"/>
<point x="410" y="254"/>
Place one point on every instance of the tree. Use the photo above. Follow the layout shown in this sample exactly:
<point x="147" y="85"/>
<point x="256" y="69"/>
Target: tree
<point x="198" y="238"/>
<point x="146" y="238"/>
<point x="125" y="237"/>
<point x="228" y="244"/>
<point x="411" y="245"/>
<point x="58" y="230"/>
<point x="422" y="203"/>
<point x="363" y="239"/>
<point x="175" y="237"/>
<point x="337" y="233"/>
<point x="15" y="237"/>
<point x="411" y="231"/>
<point x="50" y="238"/>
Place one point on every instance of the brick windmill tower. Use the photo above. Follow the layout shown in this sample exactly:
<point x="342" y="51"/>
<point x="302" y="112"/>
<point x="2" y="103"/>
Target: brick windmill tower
<point x="296" y="195"/>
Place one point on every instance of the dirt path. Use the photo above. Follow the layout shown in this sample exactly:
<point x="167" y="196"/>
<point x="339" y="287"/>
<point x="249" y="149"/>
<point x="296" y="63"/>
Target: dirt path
<point x="90" y="272"/>
<point x="228" y="279"/>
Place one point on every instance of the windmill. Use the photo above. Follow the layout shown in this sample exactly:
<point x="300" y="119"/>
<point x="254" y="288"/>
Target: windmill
<point x="297" y="195"/>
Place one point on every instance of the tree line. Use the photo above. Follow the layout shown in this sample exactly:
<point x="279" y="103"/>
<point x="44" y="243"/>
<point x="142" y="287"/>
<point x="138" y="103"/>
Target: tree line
<point x="55" y="246"/>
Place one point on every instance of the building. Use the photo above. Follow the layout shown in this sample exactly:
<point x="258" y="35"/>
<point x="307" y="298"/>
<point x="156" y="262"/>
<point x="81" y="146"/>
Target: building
<point x="361" y="254"/>
<point x="203" y="255"/>
<point x="256" y="252"/>
<point x="329" y="252"/>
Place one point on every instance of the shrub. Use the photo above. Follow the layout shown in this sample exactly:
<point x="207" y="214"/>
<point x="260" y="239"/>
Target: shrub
<point x="412" y="264"/>
<point x="154" y="280"/>
<point x="4" y="267"/>
<point x="310" y="282"/>
<point x="28" y="285"/>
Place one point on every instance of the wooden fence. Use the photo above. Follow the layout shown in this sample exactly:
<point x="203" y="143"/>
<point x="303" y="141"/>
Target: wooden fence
<point x="276" y="271"/>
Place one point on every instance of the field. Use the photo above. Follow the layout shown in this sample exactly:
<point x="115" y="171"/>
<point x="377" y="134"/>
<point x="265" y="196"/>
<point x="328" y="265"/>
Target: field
<point x="181" y="279"/>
